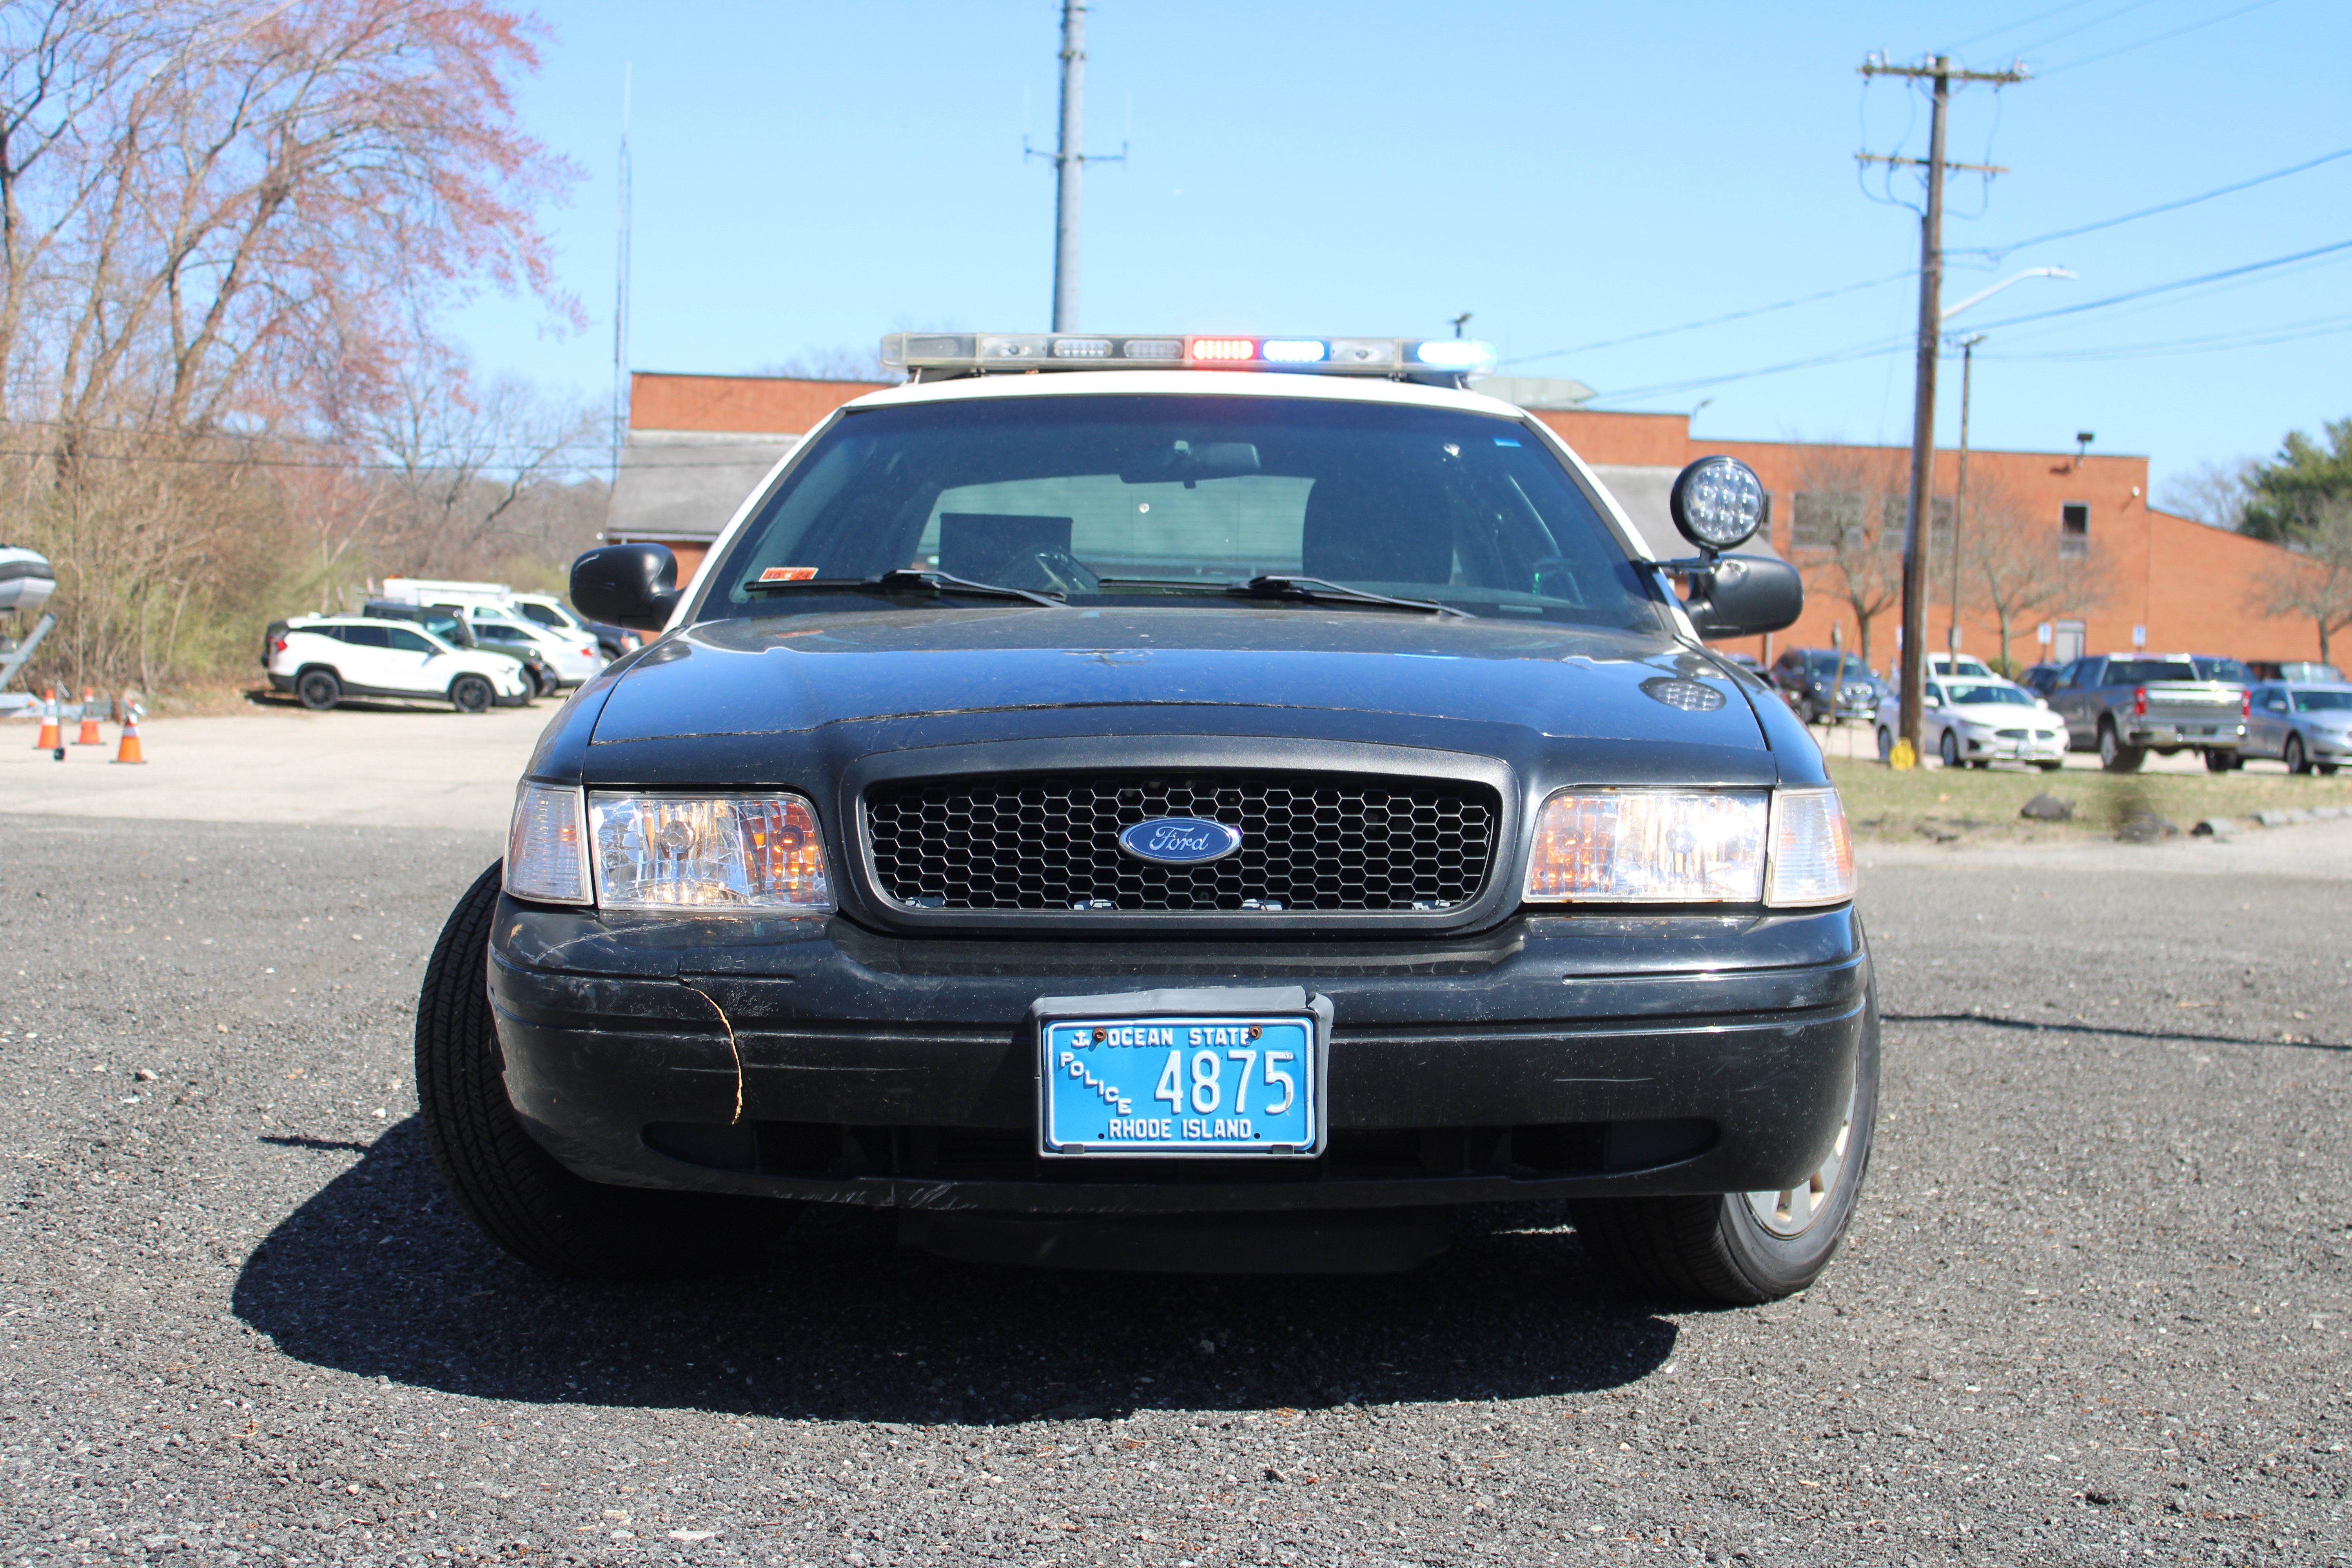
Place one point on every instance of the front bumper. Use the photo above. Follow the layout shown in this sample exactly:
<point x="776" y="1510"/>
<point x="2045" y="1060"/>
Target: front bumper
<point x="1558" y="1056"/>
<point x="1997" y="747"/>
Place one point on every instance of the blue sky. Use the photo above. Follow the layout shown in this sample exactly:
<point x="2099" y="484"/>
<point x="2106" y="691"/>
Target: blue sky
<point x="808" y="178"/>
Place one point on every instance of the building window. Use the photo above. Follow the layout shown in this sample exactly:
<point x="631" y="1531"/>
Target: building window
<point x="2075" y="531"/>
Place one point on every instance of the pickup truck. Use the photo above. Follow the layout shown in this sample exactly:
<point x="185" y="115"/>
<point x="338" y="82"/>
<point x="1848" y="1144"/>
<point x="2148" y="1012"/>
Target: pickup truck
<point x="2124" y="705"/>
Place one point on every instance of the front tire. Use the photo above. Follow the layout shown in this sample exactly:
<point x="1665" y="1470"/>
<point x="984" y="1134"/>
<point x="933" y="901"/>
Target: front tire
<point x="318" y="689"/>
<point x="2297" y="759"/>
<point x="1740" y="1248"/>
<point x="1886" y="744"/>
<point x="471" y="694"/>
<point x="517" y="1193"/>
<point x="2114" y="755"/>
<point x="1948" y="748"/>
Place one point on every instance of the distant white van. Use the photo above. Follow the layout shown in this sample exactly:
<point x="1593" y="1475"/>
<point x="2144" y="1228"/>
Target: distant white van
<point x="437" y="590"/>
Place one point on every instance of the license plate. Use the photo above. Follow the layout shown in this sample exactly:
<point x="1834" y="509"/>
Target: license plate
<point x="1204" y="1083"/>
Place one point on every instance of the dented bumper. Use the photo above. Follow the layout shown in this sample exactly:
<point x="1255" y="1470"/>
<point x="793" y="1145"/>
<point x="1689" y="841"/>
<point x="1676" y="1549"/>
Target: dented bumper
<point x="1554" y="1056"/>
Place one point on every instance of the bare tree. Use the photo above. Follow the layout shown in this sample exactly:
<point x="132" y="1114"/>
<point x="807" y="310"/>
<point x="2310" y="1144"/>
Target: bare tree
<point x="2212" y="493"/>
<point x="470" y="467"/>
<point x="2313" y="578"/>
<point x="840" y="362"/>
<point x="1841" y="535"/>
<point x="2011" y="568"/>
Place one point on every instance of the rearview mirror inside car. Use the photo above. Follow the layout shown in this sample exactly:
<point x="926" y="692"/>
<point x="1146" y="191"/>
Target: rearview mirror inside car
<point x="631" y="585"/>
<point x="1746" y="595"/>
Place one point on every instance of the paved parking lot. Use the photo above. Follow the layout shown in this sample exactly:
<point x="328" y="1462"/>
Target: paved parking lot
<point x="2095" y="1309"/>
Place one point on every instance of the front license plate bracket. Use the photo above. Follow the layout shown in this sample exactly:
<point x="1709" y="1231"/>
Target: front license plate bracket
<point x="1219" y="1072"/>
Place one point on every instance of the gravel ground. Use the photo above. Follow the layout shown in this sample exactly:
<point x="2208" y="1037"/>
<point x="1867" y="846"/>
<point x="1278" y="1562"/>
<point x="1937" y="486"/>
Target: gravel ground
<point x="2095" y="1309"/>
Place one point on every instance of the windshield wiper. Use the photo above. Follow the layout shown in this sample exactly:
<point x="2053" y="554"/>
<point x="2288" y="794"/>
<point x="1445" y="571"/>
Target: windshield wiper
<point x="903" y="578"/>
<point x="1318" y="588"/>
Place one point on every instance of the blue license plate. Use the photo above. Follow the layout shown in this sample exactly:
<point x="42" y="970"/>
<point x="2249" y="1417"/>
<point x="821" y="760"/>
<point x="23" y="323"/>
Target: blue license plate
<point x="1189" y="1085"/>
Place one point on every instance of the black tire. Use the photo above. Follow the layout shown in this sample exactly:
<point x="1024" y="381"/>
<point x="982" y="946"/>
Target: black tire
<point x="2324" y="769"/>
<point x="1947" y="747"/>
<point x="516" y="1191"/>
<point x="1886" y="744"/>
<point x="2221" y="762"/>
<point x="2049" y="767"/>
<point x="1714" y="1247"/>
<point x="318" y="689"/>
<point x="2114" y="755"/>
<point x="2298" y="761"/>
<point x="547" y="681"/>
<point x="471" y="694"/>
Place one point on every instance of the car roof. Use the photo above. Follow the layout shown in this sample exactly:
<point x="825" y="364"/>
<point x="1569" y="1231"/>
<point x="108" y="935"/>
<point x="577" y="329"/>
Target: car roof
<point x="1186" y="384"/>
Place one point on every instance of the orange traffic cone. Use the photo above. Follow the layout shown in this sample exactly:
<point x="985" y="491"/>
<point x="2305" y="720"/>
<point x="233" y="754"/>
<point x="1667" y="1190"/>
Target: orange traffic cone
<point x="130" y="749"/>
<point x="50" y="741"/>
<point x="90" y="735"/>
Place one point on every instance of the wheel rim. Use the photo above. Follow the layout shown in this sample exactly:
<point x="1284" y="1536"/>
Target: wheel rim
<point x="2107" y="745"/>
<point x="1789" y="1214"/>
<point x="1950" y="748"/>
<point x="2293" y="755"/>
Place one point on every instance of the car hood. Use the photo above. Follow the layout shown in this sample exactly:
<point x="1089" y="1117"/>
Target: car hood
<point x="956" y="674"/>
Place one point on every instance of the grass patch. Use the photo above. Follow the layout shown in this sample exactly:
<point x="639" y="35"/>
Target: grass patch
<point x="1949" y="804"/>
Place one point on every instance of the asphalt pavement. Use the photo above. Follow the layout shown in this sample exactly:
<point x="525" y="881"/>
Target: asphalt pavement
<point x="2094" y="1308"/>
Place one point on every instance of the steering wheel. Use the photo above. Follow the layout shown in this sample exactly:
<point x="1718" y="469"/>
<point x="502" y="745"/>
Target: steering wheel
<point x="1052" y="570"/>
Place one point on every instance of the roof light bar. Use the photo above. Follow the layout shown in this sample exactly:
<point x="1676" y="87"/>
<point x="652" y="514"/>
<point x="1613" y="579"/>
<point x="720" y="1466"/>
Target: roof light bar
<point x="1450" y="360"/>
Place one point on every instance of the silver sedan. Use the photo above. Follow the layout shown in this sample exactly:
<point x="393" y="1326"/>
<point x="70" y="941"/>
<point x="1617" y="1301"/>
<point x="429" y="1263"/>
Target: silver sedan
<point x="2308" y="728"/>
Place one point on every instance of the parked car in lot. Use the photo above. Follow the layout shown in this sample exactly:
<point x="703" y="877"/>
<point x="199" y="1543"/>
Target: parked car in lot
<point x="323" y="659"/>
<point x="547" y="611"/>
<point x="1961" y="664"/>
<point x="575" y="655"/>
<point x="2040" y="679"/>
<point x="2301" y="672"/>
<point x="1093" y="897"/>
<point x="1979" y="722"/>
<point x="1811" y="681"/>
<point x="2124" y="706"/>
<point x="2307" y="727"/>
<point x="452" y="629"/>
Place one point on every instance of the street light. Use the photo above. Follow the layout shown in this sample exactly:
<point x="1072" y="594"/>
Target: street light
<point x="1960" y="488"/>
<point x="1984" y="294"/>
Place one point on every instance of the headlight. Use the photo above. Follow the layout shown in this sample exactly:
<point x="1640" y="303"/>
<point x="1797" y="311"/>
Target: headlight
<point x="750" y="854"/>
<point x="1786" y="850"/>
<point x="1650" y="846"/>
<point x="547" y="845"/>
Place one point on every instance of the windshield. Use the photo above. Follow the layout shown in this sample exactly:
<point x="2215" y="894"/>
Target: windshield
<point x="1988" y="693"/>
<point x="1825" y="667"/>
<point x="2323" y="701"/>
<point x="1069" y="495"/>
<point x="2220" y="669"/>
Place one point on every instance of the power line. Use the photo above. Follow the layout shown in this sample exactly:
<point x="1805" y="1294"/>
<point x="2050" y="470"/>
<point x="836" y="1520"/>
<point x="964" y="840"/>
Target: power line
<point x="1958" y="45"/>
<point x="1716" y="321"/>
<point x="1998" y="252"/>
<point x="2161" y="37"/>
<point x="2249" y="337"/>
<point x="2175" y="285"/>
<point x="2086" y="26"/>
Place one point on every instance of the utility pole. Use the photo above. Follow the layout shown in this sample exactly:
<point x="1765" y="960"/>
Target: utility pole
<point x="1940" y="70"/>
<point x="1069" y="165"/>
<point x="1960" y="489"/>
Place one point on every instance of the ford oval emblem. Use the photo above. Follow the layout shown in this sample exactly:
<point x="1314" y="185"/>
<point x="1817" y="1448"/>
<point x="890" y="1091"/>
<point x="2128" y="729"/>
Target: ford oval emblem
<point x="1180" y="840"/>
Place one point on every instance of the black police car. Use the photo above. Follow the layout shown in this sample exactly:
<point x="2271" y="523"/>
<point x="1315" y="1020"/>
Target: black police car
<point x="1213" y="805"/>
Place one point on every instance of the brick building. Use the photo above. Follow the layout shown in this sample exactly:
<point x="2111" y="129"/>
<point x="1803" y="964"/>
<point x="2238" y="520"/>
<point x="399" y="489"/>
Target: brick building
<point x="2073" y="539"/>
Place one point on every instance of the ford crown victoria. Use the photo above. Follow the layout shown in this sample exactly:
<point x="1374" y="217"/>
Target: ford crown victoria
<point x="1171" y="803"/>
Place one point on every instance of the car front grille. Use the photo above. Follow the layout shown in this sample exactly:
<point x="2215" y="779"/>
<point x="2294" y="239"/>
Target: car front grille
<point x="1308" y="843"/>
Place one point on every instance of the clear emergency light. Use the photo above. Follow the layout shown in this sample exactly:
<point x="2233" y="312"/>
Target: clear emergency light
<point x="1452" y="360"/>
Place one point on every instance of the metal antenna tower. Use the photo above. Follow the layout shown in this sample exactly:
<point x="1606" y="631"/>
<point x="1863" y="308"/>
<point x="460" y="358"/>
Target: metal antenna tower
<point x="1069" y="165"/>
<point x="621" y="286"/>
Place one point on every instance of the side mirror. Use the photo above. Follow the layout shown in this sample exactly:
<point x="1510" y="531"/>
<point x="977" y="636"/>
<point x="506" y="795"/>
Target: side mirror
<point x="631" y="585"/>
<point x="1718" y="503"/>
<point x="1746" y="595"/>
<point x="1932" y="701"/>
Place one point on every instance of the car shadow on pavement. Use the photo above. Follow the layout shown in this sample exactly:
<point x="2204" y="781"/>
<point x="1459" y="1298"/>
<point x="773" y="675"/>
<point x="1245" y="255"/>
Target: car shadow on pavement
<point x="378" y="1274"/>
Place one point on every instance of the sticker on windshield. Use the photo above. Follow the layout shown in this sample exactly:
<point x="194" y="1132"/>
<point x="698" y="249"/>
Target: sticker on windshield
<point x="788" y="574"/>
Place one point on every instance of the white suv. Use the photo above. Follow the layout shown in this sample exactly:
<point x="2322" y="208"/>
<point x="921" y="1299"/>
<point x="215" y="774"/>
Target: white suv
<point x="322" y="660"/>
